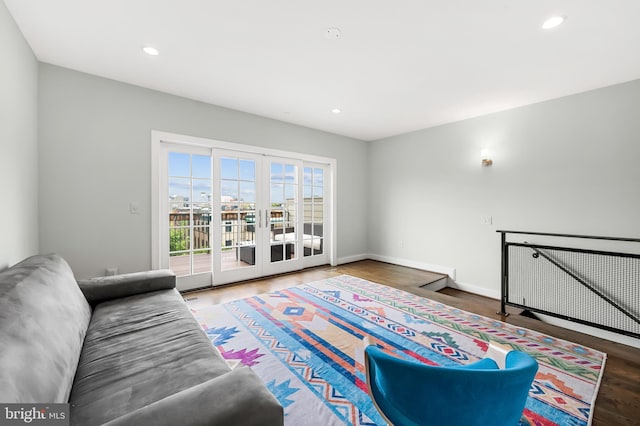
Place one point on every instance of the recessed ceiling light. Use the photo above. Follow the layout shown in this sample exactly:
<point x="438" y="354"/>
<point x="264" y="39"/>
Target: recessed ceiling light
<point x="336" y="110"/>
<point x="150" y="51"/>
<point x="553" y="22"/>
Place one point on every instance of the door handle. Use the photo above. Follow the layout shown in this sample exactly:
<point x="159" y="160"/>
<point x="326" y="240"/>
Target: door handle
<point x="259" y="218"/>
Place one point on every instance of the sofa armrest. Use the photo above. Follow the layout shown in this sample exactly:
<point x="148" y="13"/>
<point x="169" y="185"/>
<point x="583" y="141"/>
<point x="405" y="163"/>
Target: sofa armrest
<point x="235" y="398"/>
<point x="99" y="289"/>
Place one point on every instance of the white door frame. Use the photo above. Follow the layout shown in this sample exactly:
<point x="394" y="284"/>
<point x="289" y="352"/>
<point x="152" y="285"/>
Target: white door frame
<point x="159" y="137"/>
<point x="269" y="267"/>
<point x="247" y="272"/>
<point x="191" y="281"/>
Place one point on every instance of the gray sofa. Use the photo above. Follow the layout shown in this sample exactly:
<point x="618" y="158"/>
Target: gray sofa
<point x="121" y="350"/>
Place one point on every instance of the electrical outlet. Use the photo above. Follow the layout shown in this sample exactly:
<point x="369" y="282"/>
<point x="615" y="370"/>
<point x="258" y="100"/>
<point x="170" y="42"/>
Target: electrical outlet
<point x="134" y="208"/>
<point x="111" y="270"/>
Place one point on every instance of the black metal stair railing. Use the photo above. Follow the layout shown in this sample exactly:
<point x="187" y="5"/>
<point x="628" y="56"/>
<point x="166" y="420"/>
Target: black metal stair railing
<point x="593" y="287"/>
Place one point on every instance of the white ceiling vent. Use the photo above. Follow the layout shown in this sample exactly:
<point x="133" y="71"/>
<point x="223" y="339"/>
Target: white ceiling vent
<point x="332" y="34"/>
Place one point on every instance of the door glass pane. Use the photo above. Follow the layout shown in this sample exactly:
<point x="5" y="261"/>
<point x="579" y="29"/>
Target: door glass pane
<point x="201" y="166"/>
<point x="238" y="215"/>
<point x="275" y="224"/>
<point x="201" y="190"/>
<point x="247" y="191"/>
<point x="201" y="248"/>
<point x="180" y="263"/>
<point x="179" y="189"/>
<point x="248" y="170"/>
<point x="277" y="195"/>
<point x="229" y="168"/>
<point x="290" y="173"/>
<point x="283" y="198"/>
<point x="179" y="164"/>
<point x="201" y="261"/>
<point x="277" y="172"/>
<point x="189" y="197"/>
<point x="318" y="177"/>
<point x="201" y="238"/>
<point x="313" y="207"/>
<point x="179" y="239"/>
<point x="179" y="254"/>
<point x="226" y="234"/>
<point x="229" y="191"/>
<point x="290" y="192"/>
<point x="201" y="214"/>
<point x="230" y="206"/>
<point x="180" y="218"/>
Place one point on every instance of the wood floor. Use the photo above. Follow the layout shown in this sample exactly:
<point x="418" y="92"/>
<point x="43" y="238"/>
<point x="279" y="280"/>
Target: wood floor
<point x="618" y="401"/>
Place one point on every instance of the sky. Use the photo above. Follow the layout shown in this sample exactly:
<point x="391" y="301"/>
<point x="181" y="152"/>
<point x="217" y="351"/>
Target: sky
<point x="238" y="179"/>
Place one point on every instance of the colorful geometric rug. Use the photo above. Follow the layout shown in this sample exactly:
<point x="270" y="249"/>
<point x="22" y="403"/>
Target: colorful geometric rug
<point x="305" y="342"/>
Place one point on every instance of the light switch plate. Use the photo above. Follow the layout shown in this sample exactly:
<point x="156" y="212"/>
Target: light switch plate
<point x="486" y="220"/>
<point x="134" y="208"/>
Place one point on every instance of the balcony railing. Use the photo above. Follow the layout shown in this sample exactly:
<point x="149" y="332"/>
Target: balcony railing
<point x="588" y="285"/>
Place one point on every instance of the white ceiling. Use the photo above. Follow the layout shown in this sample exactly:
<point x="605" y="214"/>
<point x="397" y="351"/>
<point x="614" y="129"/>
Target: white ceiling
<point x="399" y="65"/>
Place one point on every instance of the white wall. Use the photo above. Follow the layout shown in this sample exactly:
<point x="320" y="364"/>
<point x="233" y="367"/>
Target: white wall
<point x="18" y="144"/>
<point x="570" y="165"/>
<point x="95" y="158"/>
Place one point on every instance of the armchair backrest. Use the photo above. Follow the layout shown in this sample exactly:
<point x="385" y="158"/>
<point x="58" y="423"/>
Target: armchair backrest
<point x="412" y="393"/>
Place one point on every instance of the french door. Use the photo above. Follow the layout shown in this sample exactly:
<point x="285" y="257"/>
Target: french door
<point x="186" y="214"/>
<point x="281" y="214"/>
<point x="229" y="215"/>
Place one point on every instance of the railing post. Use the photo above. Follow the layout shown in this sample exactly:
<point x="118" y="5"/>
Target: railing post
<point x="504" y="291"/>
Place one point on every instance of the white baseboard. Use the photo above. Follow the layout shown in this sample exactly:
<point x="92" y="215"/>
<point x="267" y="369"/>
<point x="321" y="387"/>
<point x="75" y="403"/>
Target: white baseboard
<point x="451" y="272"/>
<point x="592" y="331"/>
<point x="481" y="291"/>
<point x="354" y="258"/>
<point x="437" y="285"/>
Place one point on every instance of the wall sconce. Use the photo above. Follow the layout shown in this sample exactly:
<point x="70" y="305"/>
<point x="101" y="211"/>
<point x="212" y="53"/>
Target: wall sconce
<point x="485" y="155"/>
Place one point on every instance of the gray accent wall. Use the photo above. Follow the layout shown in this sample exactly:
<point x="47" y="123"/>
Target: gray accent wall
<point x="570" y="165"/>
<point x="18" y="144"/>
<point x="95" y="158"/>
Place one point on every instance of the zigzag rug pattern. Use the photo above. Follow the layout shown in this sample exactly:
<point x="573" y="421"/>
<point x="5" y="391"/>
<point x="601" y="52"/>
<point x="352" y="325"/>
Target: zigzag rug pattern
<point x="305" y="342"/>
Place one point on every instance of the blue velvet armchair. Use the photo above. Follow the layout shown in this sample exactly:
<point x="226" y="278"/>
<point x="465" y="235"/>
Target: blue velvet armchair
<point x="491" y="391"/>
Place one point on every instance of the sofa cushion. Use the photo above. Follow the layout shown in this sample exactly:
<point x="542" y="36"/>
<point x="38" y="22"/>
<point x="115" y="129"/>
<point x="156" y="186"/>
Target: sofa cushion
<point x="43" y="320"/>
<point x="139" y="350"/>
